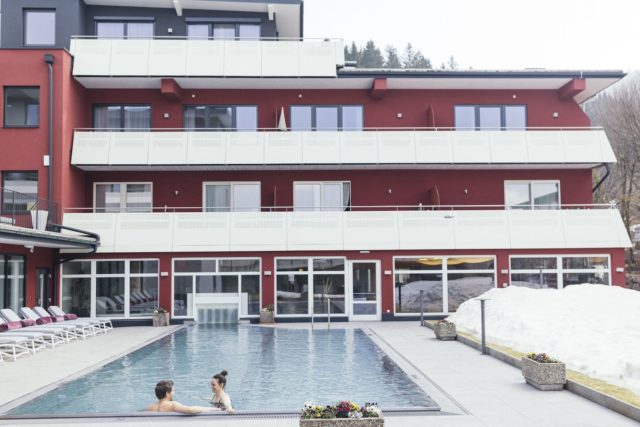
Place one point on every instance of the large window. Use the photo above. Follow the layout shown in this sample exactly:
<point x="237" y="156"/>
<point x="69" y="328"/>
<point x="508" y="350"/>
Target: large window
<point x="490" y="117"/>
<point x="321" y="196"/>
<point x="327" y="117"/>
<point x="124" y="29"/>
<point x="445" y="282"/>
<point x="20" y="193"/>
<point x="228" y="31"/>
<point x="532" y="194"/>
<point x="12" y="282"/>
<point x="224" y="279"/>
<point x="21" y="106"/>
<point x="39" y="27"/>
<point x="231" y="196"/>
<point x="216" y="117"/>
<point x="307" y="286"/>
<point x="556" y="272"/>
<point x="110" y="288"/>
<point x="123" y="197"/>
<point x="122" y="117"/>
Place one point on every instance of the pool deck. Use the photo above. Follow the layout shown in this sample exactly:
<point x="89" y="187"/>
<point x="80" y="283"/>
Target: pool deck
<point x="473" y="390"/>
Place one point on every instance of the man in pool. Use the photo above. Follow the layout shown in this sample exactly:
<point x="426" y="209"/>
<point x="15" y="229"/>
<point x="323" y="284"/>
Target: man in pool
<point x="164" y="393"/>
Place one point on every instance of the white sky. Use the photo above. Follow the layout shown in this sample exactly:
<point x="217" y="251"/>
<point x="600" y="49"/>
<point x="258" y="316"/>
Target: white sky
<point x="491" y="34"/>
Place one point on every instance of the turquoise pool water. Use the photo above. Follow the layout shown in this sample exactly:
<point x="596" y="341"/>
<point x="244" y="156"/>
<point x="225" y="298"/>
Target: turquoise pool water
<point x="269" y="369"/>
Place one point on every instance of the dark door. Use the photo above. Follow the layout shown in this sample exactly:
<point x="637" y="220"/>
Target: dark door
<point x="44" y="287"/>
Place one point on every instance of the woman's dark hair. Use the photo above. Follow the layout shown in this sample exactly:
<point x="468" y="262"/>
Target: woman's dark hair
<point x="162" y="388"/>
<point x="221" y="378"/>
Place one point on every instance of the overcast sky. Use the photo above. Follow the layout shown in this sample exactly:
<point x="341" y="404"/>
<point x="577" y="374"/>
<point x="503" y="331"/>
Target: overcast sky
<point x="491" y="34"/>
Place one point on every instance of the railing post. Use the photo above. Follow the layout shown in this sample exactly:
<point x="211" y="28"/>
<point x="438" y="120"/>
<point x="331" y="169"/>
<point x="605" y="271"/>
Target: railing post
<point x="328" y="312"/>
<point x="421" y="307"/>
<point x="482" y="325"/>
<point x="13" y="208"/>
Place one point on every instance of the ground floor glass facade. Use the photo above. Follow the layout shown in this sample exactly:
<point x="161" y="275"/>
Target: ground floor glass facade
<point x="12" y="281"/>
<point x="558" y="271"/>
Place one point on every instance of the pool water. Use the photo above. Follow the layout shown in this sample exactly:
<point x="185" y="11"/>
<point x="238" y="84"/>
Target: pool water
<point x="272" y="369"/>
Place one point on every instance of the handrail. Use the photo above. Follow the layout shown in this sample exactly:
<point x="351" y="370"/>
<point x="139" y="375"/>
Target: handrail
<point x="419" y="207"/>
<point x="300" y="39"/>
<point x="380" y="128"/>
<point x="25" y="210"/>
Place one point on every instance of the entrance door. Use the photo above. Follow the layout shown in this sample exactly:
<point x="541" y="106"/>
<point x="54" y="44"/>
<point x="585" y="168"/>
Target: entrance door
<point x="364" y="290"/>
<point x="44" y="287"/>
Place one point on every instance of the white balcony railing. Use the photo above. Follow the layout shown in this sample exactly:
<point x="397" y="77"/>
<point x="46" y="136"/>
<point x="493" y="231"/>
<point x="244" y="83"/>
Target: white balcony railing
<point x="175" y="57"/>
<point x="446" y="229"/>
<point x="391" y="146"/>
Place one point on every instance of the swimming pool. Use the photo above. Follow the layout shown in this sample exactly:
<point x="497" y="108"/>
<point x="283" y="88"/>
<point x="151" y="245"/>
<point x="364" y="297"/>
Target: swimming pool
<point x="270" y="369"/>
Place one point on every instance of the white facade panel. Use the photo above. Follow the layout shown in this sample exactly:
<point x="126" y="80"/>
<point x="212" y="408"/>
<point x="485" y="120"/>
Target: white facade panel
<point x="508" y="146"/>
<point x="581" y="147"/>
<point x="206" y="148"/>
<point x="543" y="145"/>
<point x="91" y="57"/>
<point x="283" y="148"/>
<point x="205" y="58"/>
<point x="396" y="147"/>
<point x="168" y="148"/>
<point x="242" y="58"/>
<point x="129" y="57"/>
<point x="167" y="58"/>
<point x="129" y="148"/>
<point x="434" y="147"/>
<point x="320" y="148"/>
<point x="360" y="230"/>
<point x="245" y="148"/>
<point x="90" y="147"/>
<point x="280" y="58"/>
<point x="358" y="147"/>
<point x="318" y="58"/>
<point x="471" y="147"/>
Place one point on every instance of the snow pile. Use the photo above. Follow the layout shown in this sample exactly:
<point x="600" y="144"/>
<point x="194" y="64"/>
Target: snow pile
<point x="594" y="329"/>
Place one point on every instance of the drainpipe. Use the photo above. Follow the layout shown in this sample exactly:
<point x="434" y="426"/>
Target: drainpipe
<point x="602" y="180"/>
<point x="48" y="58"/>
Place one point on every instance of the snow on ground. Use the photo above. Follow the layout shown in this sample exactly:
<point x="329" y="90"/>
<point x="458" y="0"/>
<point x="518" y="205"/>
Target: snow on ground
<point x="594" y="329"/>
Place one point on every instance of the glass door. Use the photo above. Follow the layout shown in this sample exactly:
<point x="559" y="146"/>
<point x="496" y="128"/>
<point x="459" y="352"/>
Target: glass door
<point x="365" y="290"/>
<point x="44" y="287"/>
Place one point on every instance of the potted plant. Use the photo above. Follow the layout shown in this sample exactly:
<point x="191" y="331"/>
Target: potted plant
<point x="345" y="413"/>
<point x="445" y="330"/>
<point x="544" y="372"/>
<point x="266" y="314"/>
<point x="160" y="317"/>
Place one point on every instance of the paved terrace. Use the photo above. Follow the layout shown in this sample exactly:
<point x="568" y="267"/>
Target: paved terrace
<point x="473" y="390"/>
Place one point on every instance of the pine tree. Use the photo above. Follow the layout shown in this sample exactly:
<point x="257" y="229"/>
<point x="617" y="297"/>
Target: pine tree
<point x="354" y="53"/>
<point x="414" y="58"/>
<point x="393" y="60"/>
<point x="452" y="64"/>
<point x="407" y="57"/>
<point x="371" y="56"/>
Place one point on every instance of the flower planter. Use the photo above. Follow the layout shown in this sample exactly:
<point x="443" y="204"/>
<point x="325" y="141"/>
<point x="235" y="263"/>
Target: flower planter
<point x="160" y="319"/>
<point x="343" y="422"/>
<point x="445" y="331"/>
<point x="544" y="376"/>
<point x="266" y="317"/>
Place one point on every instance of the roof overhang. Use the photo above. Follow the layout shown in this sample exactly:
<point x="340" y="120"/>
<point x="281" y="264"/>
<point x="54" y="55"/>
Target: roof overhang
<point x="287" y="13"/>
<point x="595" y="81"/>
<point x="27" y="237"/>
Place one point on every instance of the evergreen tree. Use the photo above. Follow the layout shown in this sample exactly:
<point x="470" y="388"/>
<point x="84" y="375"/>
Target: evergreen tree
<point x="393" y="60"/>
<point x="407" y="57"/>
<point x="414" y="58"/>
<point x="354" y="53"/>
<point x="371" y="57"/>
<point x="452" y="64"/>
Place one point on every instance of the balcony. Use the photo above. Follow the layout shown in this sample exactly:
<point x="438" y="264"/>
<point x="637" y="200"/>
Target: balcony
<point x="363" y="228"/>
<point x="185" y="58"/>
<point x="176" y="149"/>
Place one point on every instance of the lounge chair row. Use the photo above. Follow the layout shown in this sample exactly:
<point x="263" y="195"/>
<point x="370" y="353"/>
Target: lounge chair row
<point x="38" y="329"/>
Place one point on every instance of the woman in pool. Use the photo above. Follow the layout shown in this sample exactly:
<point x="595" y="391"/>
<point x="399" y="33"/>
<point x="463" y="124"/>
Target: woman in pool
<point x="164" y="392"/>
<point x="220" y="399"/>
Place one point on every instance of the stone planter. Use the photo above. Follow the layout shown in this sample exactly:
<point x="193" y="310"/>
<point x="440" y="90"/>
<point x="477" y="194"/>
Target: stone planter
<point x="161" y="319"/>
<point x="266" y="317"/>
<point x="544" y="376"/>
<point x="445" y="331"/>
<point x="343" y="422"/>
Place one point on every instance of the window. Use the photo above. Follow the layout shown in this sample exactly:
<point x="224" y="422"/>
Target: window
<point x="320" y="117"/>
<point x="122" y="30"/>
<point x="557" y="272"/>
<point x="232" y="197"/>
<point x="445" y="282"/>
<point x="39" y="27"/>
<point x="21" y="106"/>
<point x="224" y="31"/>
<point x="211" y="117"/>
<point x="123" y="197"/>
<point x="532" y="194"/>
<point x="309" y="285"/>
<point x="321" y="196"/>
<point x="12" y="282"/>
<point x="211" y="278"/>
<point x="122" y="117"/>
<point x="20" y="192"/>
<point x="123" y="288"/>
<point x="490" y="117"/>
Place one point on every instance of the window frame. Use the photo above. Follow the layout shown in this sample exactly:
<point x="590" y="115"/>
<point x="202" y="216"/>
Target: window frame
<point x="2" y="184"/>
<point x="314" y="123"/>
<point x="125" y="21"/>
<point x="123" y="194"/>
<point x="5" y="256"/>
<point x="4" y="107"/>
<point x="231" y="201"/>
<point x="94" y="107"/>
<point x="503" y="116"/>
<point x="559" y="271"/>
<point x="211" y="24"/>
<point x="532" y="206"/>
<point x="28" y="10"/>
<point x="234" y="117"/>
<point x="345" y="207"/>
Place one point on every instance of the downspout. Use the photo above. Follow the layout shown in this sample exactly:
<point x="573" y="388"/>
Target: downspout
<point x="603" y="179"/>
<point x="48" y="58"/>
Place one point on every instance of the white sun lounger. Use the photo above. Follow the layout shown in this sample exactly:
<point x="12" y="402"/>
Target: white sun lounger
<point x="81" y="329"/>
<point x="70" y="332"/>
<point x="52" y="337"/>
<point x="105" y="324"/>
<point x="14" y="346"/>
